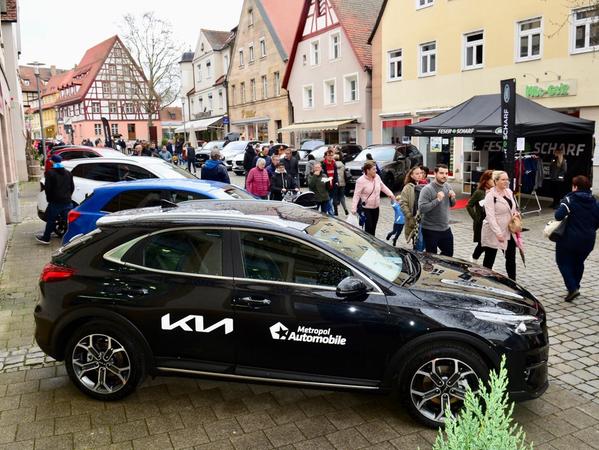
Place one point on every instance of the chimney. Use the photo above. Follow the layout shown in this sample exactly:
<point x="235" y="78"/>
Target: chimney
<point x="53" y="70"/>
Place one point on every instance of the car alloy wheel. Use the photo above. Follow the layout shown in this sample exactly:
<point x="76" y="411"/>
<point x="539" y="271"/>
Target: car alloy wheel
<point x="101" y="364"/>
<point x="440" y="385"/>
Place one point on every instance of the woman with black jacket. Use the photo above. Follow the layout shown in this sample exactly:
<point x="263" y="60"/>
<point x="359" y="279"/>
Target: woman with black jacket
<point x="582" y="211"/>
<point x="476" y="210"/>
<point x="281" y="183"/>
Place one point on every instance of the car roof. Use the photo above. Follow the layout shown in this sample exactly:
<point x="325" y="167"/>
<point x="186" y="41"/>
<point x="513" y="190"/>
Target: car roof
<point x="139" y="160"/>
<point x="164" y="183"/>
<point x="260" y="213"/>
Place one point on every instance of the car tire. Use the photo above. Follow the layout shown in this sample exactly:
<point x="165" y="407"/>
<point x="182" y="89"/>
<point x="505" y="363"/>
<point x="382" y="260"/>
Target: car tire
<point x="437" y="376"/>
<point x="122" y="370"/>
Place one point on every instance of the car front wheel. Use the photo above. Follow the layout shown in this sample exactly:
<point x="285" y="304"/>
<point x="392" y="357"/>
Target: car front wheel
<point x="436" y="378"/>
<point x="104" y="362"/>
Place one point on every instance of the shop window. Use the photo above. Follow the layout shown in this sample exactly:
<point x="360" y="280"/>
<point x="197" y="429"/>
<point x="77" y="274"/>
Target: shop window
<point x="529" y="40"/>
<point x="263" y="131"/>
<point x="335" y="52"/>
<point x="315" y="53"/>
<point x="330" y="92"/>
<point x="394" y="131"/>
<point x="395" y="64"/>
<point x="473" y="50"/>
<point x="585" y="30"/>
<point x="350" y="88"/>
<point x="428" y="59"/>
<point x="308" y="97"/>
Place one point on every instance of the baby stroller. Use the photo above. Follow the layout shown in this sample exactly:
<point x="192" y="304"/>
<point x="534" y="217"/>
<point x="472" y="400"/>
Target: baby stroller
<point x="306" y="199"/>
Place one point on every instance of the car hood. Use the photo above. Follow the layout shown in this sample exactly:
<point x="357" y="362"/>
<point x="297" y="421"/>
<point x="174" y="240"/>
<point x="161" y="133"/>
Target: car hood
<point x="451" y="282"/>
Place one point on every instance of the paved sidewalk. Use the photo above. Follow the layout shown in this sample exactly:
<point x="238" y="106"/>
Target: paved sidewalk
<point x="40" y="408"/>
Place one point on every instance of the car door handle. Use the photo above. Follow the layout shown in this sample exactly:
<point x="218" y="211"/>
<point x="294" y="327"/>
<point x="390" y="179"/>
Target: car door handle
<point x="140" y="291"/>
<point x="252" y="301"/>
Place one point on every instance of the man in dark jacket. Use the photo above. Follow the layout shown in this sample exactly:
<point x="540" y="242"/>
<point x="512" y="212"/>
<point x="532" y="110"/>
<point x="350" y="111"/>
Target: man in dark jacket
<point x="248" y="159"/>
<point x="58" y="187"/>
<point x="191" y="158"/>
<point x="214" y="169"/>
<point x="281" y="183"/>
<point x="291" y="165"/>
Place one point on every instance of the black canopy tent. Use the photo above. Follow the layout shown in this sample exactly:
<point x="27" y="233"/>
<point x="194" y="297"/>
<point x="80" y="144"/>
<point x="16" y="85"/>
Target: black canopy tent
<point x="481" y="117"/>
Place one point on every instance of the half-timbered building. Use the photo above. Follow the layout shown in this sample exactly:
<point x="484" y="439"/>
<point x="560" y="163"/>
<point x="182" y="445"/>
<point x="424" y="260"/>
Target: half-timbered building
<point x="106" y="83"/>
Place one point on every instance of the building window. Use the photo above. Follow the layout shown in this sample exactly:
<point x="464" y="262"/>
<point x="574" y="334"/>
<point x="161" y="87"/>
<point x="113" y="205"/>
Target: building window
<point x="112" y="108"/>
<point x="262" y="48"/>
<point x="111" y="69"/>
<point x="250" y="18"/>
<point x="330" y="92"/>
<point x="264" y="87"/>
<point x="335" y="40"/>
<point x="314" y="53"/>
<point x="199" y="72"/>
<point x="106" y="87"/>
<point x="308" y="97"/>
<point x="233" y="94"/>
<point x="242" y="91"/>
<point x="253" y="89"/>
<point x="210" y="102"/>
<point x="277" y="84"/>
<point x="428" y="59"/>
<point x="114" y="129"/>
<point x="208" y="70"/>
<point x="129" y="108"/>
<point x="251" y="52"/>
<point x="350" y="88"/>
<point x="98" y="129"/>
<point x="529" y="40"/>
<point x="220" y="99"/>
<point x="120" y="87"/>
<point x="95" y="107"/>
<point x="240" y="58"/>
<point x="26" y="82"/>
<point x="201" y="101"/>
<point x="395" y="62"/>
<point x="322" y="7"/>
<point x="585" y="30"/>
<point x="473" y="50"/>
<point x="424" y="3"/>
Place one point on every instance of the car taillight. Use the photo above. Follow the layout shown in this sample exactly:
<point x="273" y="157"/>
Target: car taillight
<point x="73" y="215"/>
<point x="53" y="272"/>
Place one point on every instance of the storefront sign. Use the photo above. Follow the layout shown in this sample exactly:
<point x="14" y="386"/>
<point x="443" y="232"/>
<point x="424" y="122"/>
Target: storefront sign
<point x="248" y="113"/>
<point x="436" y="144"/>
<point x="508" y="123"/>
<point x="551" y="89"/>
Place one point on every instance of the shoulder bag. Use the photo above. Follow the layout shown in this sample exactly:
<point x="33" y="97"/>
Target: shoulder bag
<point x="556" y="229"/>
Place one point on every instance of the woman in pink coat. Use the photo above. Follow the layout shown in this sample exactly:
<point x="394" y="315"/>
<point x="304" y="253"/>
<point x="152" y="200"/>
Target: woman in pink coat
<point x="368" y="194"/>
<point x="258" y="181"/>
<point x="500" y="207"/>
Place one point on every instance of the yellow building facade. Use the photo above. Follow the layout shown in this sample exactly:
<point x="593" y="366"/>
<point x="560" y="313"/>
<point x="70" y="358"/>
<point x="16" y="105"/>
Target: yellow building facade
<point x="49" y="117"/>
<point x="431" y="55"/>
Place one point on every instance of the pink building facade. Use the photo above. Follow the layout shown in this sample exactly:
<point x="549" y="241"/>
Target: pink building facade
<point x="107" y="83"/>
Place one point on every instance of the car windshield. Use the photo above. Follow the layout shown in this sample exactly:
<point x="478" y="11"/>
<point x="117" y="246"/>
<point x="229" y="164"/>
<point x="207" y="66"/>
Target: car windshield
<point x="378" y="154"/>
<point x="311" y="145"/>
<point x="237" y="193"/>
<point x="319" y="152"/>
<point x="388" y="262"/>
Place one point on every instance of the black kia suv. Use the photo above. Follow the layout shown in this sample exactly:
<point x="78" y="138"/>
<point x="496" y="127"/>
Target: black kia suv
<point x="270" y="291"/>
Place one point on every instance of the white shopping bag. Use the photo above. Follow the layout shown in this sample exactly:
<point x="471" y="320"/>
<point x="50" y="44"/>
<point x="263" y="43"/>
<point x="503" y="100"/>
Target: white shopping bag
<point x="352" y="219"/>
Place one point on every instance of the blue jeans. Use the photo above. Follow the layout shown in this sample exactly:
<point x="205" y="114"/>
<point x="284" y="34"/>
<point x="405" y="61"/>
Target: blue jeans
<point x="53" y="211"/>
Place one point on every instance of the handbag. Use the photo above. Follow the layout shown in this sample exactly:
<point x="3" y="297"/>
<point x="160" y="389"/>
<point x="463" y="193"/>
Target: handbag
<point x="556" y="229"/>
<point x="515" y="225"/>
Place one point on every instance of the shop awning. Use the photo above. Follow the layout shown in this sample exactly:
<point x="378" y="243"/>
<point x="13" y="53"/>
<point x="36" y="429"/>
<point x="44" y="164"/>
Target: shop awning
<point x="481" y="117"/>
<point x="198" y="125"/>
<point x="317" y="126"/>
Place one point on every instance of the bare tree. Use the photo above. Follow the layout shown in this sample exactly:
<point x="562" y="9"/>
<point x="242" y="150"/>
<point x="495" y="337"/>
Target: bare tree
<point x="152" y="45"/>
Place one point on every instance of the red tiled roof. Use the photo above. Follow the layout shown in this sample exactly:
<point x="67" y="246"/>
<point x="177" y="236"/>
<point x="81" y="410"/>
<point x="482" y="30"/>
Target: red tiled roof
<point x="26" y="73"/>
<point x="219" y="80"/>
<point x="87" y="70"/>
<point x="284" y="17"/>
<point x="217" y="39"/>
<point x="357" y="17"/>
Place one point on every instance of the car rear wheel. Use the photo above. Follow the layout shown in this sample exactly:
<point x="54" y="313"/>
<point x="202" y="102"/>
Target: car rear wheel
<point x="104" y="362"/>
<point x="436" y="378"/>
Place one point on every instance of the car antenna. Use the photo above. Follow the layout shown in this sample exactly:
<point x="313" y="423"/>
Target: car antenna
<point x="167" y="204"/>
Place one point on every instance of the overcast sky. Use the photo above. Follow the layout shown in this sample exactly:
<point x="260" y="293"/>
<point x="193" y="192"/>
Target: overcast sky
<point x="58" y="32"/>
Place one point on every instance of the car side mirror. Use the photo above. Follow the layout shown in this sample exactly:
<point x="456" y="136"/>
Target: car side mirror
<point x="352" y="288"/>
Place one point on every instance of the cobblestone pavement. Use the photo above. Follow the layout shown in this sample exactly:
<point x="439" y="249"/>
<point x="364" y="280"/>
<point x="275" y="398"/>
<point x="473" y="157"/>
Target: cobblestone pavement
<point x="40" y="408"/>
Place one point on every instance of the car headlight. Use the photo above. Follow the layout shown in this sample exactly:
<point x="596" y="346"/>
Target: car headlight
<point x="520" y="324"/>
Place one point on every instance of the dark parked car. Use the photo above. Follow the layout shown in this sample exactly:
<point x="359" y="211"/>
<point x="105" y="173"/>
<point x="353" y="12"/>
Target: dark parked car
<point x="393" y="160"/>
<point x="270" y="291"/>
<point x="68" y="152"/>
<point x="348" y="152"/>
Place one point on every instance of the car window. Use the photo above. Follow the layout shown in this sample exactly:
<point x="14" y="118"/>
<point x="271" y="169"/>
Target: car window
<point x="133" y="199"/>
<point x="183" y="196"/>
<point x="270" y="257"/>
<point x="181" y="251"/>
<point x="97" y="171"/>
<point x="378" y="153"/>
<point x="129" y="172"/>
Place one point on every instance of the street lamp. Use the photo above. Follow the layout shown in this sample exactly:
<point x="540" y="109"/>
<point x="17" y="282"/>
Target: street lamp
<point x="36" y="70"/>
<point x="183" y="111"/>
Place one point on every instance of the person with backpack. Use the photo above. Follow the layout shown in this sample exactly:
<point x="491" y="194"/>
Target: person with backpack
<point x="476" y="210"/>
<point x="408" y="199"/>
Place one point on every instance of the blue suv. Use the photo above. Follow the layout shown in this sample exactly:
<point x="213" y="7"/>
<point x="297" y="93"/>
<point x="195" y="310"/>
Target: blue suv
<point x="144" y="193"/>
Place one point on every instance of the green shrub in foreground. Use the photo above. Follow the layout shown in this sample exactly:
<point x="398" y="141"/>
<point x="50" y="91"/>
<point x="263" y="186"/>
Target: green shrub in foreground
<point x="485" y="421"/>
